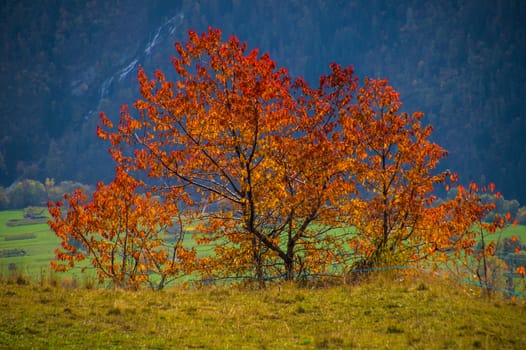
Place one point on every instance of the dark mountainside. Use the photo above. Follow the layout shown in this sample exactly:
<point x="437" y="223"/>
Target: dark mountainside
<point x="463" y="63"/>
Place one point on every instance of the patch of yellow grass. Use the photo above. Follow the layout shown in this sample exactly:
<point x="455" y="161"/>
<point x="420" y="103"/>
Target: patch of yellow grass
<point x="385" y="312"/>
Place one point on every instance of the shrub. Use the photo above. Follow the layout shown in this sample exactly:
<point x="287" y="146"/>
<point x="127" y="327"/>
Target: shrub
<point x="23" y="222"/>
<point x="521" y="216"/>
<point x="11" y="252"/>
<point x="19" y="236"/>
<point x="34" y="212"/>
<point x="55" y="192"/>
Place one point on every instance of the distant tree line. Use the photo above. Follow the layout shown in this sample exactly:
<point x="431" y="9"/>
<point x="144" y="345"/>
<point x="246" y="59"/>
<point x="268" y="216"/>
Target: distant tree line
<point x="27" y="192"/>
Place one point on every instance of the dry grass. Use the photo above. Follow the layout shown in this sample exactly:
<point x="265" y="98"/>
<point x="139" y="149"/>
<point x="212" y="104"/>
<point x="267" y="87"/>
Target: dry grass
<point x="385" y="312"/>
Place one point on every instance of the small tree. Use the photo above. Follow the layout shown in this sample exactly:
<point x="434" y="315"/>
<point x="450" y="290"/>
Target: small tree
<point x="122" y="232"/>
<point x="465" y="231"/>
<point x="395" y="172"/>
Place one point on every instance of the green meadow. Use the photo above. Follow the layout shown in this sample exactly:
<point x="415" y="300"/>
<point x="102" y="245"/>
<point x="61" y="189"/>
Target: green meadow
<point x="36" y="240"/>
<point x="39" y="242"/>
<point x="517" y="230"/>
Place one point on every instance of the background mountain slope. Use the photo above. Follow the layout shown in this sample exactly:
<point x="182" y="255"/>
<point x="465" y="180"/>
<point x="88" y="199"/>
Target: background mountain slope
<point x="463" y="63"/>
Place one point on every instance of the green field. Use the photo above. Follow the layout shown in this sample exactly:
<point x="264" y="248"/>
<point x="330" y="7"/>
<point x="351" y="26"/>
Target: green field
<point x="39" y="250"/>
<point x="385" y="312"/>
<point x="40" y="244"/>
<point x="518" y="230"/>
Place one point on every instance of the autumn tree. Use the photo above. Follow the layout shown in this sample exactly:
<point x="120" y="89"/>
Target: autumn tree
<point x="278" y="176"/>
<point x="395" y="176"/>
<point x="235" y="130"/>
<point x="465" y="232"/>
<point x="396" y="216"/>
<point x="122" y="232"/>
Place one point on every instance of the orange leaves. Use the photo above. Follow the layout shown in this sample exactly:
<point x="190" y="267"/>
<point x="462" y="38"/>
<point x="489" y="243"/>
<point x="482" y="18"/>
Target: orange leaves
<point x="395" y="167"/>
<point x="141" y="105"/>
<point x="266" y="163"/>
<point x="107" y="123"/>
<point x="491" y="187"/>
<point x="490" y="249"/>
<point x="232" y="129"/>
<point x="453" y="179"/>
<point x="119" y="229"/>
<point x="466" y="221"/>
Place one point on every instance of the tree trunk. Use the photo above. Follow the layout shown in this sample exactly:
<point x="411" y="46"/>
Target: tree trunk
<point x="258" y="261"/>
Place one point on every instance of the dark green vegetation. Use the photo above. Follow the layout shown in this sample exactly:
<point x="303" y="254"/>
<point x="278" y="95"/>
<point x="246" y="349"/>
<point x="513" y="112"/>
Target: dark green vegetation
<point x="19" y="236"/>
<point x="25" y="222"/>
<point x="418" y="312"/>
<point x="460" y="62"/>
<point x="32" y="195"/>
<point x="12" y="252"/>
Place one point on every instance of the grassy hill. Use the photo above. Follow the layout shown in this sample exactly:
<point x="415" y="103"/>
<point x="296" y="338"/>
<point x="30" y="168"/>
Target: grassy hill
<point x="386" y="312"/>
